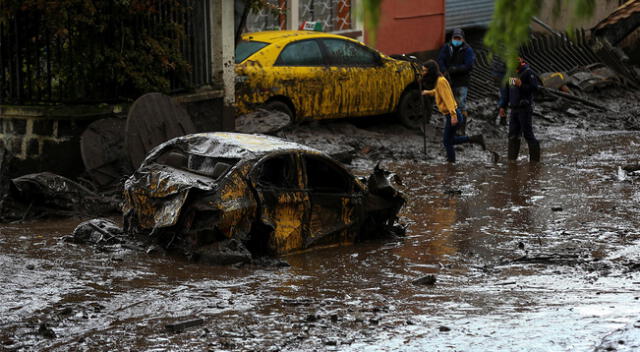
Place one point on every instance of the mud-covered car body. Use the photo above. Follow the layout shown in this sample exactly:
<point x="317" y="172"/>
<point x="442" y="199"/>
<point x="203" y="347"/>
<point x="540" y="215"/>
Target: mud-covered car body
<point x="271" y="195"/>
<point x="319" y="76"/>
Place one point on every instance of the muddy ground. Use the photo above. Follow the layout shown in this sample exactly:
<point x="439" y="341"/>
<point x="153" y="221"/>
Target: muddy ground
<point x="497" y="257"/>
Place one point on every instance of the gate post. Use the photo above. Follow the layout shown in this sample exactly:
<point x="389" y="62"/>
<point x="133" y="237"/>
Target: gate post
<point x="223" y="57"/>
<point x="293" y="14"/>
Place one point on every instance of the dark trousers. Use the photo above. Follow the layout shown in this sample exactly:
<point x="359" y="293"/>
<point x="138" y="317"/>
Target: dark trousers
<point x="521" y="124"/>
<point x="449" y="136"/>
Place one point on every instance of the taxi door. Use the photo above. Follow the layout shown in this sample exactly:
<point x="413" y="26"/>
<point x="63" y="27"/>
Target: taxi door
<point x="366" y="84"/>
<point x="300" y="73"/>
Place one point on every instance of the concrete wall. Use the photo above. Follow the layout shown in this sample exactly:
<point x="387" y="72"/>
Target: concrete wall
<point x="562" y="21"/>
<point x="410" y="26"/>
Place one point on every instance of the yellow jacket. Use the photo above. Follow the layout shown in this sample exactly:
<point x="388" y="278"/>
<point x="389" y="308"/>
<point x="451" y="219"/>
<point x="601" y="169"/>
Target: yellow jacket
<point x="444" y="97"/>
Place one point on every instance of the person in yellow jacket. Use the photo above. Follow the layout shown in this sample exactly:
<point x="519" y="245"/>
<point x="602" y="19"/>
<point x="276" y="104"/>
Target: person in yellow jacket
<point x="453" y="117"/>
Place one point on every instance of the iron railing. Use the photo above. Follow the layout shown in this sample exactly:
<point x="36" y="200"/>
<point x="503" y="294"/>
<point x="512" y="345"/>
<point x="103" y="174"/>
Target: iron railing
<point x="39" y="65"/>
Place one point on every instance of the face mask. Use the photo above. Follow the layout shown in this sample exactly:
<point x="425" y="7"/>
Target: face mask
<point x="456" y="42"/>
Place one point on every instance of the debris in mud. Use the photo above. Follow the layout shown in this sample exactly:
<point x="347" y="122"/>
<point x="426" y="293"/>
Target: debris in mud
<point x="222" y="198"/>
<point x="45" y="331"/>
<point x="183" y="325"/>
<point x="557" y="208"/>
<point x="46" y="194"/>
<point x="262" y="121"/>
<point x="425" y="280"/>
<point x="98" y="232"/>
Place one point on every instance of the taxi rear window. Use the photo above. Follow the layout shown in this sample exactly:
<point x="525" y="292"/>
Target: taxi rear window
<point x="247" y="48"/>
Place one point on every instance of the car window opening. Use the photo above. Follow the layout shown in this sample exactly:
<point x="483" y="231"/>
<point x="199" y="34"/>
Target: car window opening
<point x="247" y="48"/>
<point x="278" y="172"/>
<point x="303" y="53"/>
<point x="209" y="166"/>
<point x="344" y="53"/>
<point x="202" y="165"/>
<point x="325" y="177"/>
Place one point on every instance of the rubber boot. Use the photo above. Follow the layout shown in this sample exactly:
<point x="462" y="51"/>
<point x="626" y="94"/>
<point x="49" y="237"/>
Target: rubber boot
<point x="479" y="140"/>
<point x="513" y="148"/>
<point x="462" y="128"/>
<point x="534" y="151"/>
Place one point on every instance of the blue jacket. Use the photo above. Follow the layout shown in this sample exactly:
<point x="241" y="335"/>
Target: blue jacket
<point x="519" y="97"/>
<point x="457" y="62"/>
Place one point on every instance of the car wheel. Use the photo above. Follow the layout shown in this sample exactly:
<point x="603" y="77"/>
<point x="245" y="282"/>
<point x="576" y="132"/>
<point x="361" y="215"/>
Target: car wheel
<point x="280" y="106"/>
<point x="410" y="111"/>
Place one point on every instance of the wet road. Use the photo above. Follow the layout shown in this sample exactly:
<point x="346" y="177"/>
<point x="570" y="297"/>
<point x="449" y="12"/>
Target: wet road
<point x="526" y="258"/>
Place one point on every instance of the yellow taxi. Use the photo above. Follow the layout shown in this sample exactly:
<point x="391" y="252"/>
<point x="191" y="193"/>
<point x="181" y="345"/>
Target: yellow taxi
<point x="313" y="75"/>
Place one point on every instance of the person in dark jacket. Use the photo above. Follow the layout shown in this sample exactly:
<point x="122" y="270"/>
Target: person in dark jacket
<point x="518" y="96"/>
<point x="456" y="61"/>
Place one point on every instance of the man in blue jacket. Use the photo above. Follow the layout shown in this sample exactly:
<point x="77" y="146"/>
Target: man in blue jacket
<point x="518" y="96"/>
<point x="456" y="60"/>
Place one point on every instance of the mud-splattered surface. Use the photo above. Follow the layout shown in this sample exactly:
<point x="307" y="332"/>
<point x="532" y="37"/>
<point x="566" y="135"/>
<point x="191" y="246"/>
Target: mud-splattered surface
<point x="525" y="258"/>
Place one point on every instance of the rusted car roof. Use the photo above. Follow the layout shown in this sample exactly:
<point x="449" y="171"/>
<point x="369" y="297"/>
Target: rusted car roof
<point x="231" y="145"/>
<point x="625" y="11"/>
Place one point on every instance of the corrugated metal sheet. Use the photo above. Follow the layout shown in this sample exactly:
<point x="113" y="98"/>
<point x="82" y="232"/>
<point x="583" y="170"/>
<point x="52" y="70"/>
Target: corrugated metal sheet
<point x="468" y="13"/>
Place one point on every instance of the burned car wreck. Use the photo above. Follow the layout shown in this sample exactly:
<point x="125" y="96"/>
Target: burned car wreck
<point x="227" y="197"/>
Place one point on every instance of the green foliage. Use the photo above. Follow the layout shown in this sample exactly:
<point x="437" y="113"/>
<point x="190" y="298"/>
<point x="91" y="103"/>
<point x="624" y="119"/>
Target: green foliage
<point x="509" y="28"/>
<point x="119" y="48"/>
<point x="371" y="15"/>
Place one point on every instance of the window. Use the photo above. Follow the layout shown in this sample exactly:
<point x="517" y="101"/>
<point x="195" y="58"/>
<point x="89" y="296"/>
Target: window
<point x="345" y="53"/>
<point x="303" y="53"/>
<point x="209" y="166"/>
<point x="199" y="164"/>
<point x="278" y="171"/>
<point x="247" y="48"/>
<point x="326" y="177"/>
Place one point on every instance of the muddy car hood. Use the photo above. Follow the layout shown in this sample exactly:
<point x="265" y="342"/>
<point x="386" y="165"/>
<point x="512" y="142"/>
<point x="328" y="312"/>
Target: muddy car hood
<point x="158" y="193"/>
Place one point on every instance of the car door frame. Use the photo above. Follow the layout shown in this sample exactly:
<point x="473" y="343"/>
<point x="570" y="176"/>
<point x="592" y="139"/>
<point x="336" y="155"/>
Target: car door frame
<point x="312" y="98"/>
<point x="284" y="210"/>
<point x="351" y="207"/>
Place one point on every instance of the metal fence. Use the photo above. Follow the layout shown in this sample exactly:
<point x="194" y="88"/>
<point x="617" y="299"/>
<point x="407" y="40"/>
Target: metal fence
<point x="39" y="65"/>
<point x="335" y="15"/>
<point x="549" y="53"/>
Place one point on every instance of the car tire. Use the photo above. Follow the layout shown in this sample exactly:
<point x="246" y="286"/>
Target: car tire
<point x="280" y="106"/>
<point x="409" y="109"/>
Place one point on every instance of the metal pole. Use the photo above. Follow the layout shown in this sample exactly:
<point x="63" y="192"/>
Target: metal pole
<point x="417" y="67"/>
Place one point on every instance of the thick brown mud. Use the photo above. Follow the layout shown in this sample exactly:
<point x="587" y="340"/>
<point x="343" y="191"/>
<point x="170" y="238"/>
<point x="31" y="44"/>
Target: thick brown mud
<point x="525" y="257"/>
<point x="497" y="257"/>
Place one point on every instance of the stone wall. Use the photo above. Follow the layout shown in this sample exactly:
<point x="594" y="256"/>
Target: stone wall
<point x="48" y="138"/>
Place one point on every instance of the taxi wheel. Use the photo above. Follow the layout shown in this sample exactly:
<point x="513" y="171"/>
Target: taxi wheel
<point x="410" y="111"/>
<point x="280" y="106"/>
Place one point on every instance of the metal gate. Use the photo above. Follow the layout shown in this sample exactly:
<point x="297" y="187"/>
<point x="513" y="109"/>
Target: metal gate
<point x="39" y="65"/>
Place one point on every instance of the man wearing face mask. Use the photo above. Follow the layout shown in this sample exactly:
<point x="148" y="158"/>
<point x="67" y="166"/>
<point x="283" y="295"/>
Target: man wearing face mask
<point x="456" y="60"/>
<point x="518" y="96"/>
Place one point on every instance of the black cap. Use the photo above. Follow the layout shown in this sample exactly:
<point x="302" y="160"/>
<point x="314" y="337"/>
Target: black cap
<point x="458" y="32"/>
